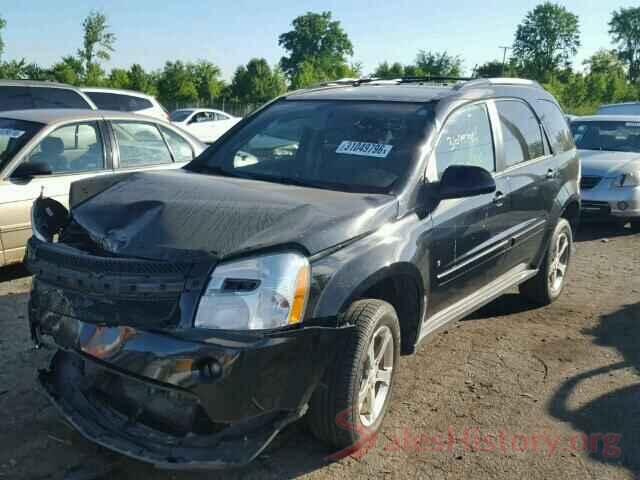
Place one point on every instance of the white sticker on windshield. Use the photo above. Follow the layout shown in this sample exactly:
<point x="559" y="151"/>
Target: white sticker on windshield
<point x="11" y="133"/>
<point x="364" y="149"/>
<point x="632" y="124"/>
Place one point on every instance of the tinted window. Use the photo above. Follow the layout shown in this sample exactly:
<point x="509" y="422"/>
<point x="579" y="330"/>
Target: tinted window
<point x="140" y="144"/>
<point x="71" y="149"/>
<point x="180" y="115"/>
<point x="606" y="135"/>
<point x="119" y="102"/>
<point x="351" y="146"/>
<point x="203" y="117"/>
<point x="182" y="151"/>
<point x="628" y="109"/>
<point x="556" y="126"/>
<point x="521" y="134"/>
<point x="14" y="134"/>
<point x="15" y="98"/>
<point x="466" y="139"/>
<point x="44" y="97"/>
<point x="220" y="116"/>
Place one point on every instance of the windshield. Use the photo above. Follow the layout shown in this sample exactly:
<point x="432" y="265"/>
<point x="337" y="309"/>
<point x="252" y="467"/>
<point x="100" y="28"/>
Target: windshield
<point x="180" y="115"/>
<point x="627" y="109"/>
<point x="340" y="145"/>
<point x="14" y="134"/>
<point x="607" y="135"/>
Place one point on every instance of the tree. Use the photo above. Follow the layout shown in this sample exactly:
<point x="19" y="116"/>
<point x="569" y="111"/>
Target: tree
<point x="3" y="24"/>
<point x="176" y="86"/>
<point x="384" y="70"/>
<point x="69" y="70"/>
<point x="624" y="29"/>
<point x="257" y="82"/>
<point x="141" y="81"/>
<point x="438" y="64"/>
<point x="605" y="62"/>
<point x="98" y="45"/>
<point x="317" y="47"/>
<point x="494" y="68"/>
<point x="206" y="78"/>
<point x="119" y="78"/>
<point x="546" y="40"/>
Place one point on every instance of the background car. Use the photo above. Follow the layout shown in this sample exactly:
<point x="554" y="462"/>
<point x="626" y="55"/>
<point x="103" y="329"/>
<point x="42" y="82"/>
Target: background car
<point x="44" y="151"/>
<point x="205" y="124"/>
<point x="126" y="101"/>
<point x="629" y="108"/>
<point x="28" y="95"/>
<point x="610" y="157"/>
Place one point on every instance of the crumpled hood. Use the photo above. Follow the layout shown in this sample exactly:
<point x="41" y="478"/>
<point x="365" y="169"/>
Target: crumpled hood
<point x="606" y="164"/>
<point x="168" y="214"/>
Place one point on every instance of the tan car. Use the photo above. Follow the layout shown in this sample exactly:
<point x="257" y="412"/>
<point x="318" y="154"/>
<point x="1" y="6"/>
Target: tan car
<point x="43" y="151"/>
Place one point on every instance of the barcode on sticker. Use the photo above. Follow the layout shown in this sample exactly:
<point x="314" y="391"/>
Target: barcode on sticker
<point x="365" y="149"/>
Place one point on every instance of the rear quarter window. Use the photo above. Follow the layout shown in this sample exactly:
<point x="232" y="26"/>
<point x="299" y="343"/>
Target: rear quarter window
<point x="44" y="97"/>
<point x="119" y="102"/>
<point x="556" y="126"/>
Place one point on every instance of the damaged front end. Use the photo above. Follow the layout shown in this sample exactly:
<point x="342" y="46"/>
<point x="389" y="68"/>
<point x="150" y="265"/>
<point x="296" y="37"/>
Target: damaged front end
<point x="133" y="374"/>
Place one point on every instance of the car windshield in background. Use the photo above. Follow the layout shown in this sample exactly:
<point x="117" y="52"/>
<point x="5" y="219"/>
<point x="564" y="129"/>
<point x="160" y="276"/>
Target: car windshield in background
<point x="623" y="109"/>
<point x="339" y="145"/>
<point x="180" y="115"/>
<point x="14" y="134"/>
<point x="607" y="135"/>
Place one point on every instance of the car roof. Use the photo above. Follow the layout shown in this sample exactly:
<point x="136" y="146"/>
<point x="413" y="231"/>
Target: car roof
<point x="51" y="116"/>
<point x="608" y="118"/>
<point x="122" y="91"/>
<point x="35" y="83"/>
<point x="375" y="92"/>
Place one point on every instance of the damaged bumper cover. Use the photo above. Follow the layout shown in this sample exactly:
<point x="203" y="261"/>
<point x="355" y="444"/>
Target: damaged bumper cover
<point x="131" y="373"/>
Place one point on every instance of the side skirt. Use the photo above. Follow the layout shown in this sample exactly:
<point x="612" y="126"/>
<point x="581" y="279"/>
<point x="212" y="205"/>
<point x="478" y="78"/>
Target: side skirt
<point x="473" y="302"/>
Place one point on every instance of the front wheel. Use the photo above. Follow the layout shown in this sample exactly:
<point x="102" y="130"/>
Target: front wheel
<point x="547" y="285"/>
<point x="353" y="398"/>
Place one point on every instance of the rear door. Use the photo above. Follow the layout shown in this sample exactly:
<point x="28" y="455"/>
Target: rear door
<point x="71" y="152"/>
<point x="528" y="166"/>
<point x="469" y="242"/>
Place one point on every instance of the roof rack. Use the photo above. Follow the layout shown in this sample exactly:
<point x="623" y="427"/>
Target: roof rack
<point x="458" y="82"/>
<point x="501" y="81"/>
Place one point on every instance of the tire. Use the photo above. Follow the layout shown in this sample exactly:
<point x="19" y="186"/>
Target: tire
<point x="635" y="226"/>
<point x="543" y="289"/>
<point x="335" y="416"/>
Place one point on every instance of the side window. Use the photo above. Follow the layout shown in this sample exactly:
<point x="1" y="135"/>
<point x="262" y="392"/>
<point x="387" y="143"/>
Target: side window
<point x="182" y="151"/>
<point x="57" y="98"/>
<point x="140" y="144"/>
<point x="15" y="98"/>
<point x="466" y="139"/>
<point x="556" y="126"/>
<point x="220" y="116"/>
<point x="105" y="101"/>
<point x="521" y="134"/>
<point x="73" y="148"/>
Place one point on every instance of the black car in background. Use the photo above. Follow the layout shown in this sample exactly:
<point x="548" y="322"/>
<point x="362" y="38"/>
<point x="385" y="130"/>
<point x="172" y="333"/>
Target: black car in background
<point x="281" y="273"/>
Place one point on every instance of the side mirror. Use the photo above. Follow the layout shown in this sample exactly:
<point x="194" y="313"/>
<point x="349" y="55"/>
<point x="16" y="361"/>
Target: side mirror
<point x="28" y="170"/>
<point x="461" y="181"/>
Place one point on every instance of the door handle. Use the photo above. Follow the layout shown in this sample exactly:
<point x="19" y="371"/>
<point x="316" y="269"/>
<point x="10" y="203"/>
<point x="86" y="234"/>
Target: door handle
<point x="551" y="173"/>
<point x="498" y="199"/>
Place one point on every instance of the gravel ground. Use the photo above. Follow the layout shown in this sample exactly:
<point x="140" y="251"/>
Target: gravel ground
<point x="511" y="392"/>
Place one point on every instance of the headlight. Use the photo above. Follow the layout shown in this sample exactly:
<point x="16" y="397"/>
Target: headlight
<point x="631" y="179"/>
<point x="256" y="293"/>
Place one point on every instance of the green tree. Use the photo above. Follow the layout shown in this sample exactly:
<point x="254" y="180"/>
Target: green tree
<point x="257" y="82"/>
<point x="69" y="70"/>
<point x="384" y="70"/>
<point x="317" y="49"/>
<point x="494" y="68"/>
<point x="206" y="78"/>
<point x="546" y="40"/>
<point x="3" y="24"/>
<point x="176" y="85"/>
<point x="141" y="81"/>
<point x="98" y="45"/>
<point x="438" y="64"/>
<point x="624" y="29"/>
<point x="119" y="78"/>
<point x="605" y="62"/>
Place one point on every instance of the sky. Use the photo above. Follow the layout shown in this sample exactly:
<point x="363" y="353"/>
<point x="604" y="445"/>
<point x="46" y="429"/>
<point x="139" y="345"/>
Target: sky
<point x="230" y="33"/>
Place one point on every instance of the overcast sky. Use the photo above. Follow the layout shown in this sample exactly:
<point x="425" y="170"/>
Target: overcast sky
<point x="230" y="33"/>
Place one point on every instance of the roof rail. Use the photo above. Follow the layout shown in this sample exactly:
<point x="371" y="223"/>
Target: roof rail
<point x="355" y="82"/>
<point x="501" y="81"/>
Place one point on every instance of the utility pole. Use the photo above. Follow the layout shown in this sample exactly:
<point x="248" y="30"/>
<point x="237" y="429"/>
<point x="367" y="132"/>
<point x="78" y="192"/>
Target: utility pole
<point x="504" y="58"/>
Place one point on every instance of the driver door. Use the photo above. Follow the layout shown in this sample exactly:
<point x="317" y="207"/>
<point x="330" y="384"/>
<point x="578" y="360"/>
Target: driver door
<point x="71" y="152"/>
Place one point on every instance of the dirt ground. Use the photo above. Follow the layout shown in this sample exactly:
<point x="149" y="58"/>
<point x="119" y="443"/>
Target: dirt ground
<point x="512" y="392"/>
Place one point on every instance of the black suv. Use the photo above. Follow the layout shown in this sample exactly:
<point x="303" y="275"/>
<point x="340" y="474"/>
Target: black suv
<point x="281" y="274"/>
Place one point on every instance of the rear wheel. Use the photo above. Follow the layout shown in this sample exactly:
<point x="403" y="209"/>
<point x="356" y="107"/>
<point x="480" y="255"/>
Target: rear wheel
<point x="635" y="226"/>
<point x="547" y="285"/>
<point x="355" y="393"/>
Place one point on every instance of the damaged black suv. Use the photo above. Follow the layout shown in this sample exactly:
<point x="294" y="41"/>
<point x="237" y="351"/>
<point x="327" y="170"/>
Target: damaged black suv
<point x="281" y="274"/>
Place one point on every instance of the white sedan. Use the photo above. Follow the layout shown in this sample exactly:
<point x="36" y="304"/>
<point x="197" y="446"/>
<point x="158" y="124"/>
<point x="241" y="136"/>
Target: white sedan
<point x="206" y="125"/>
